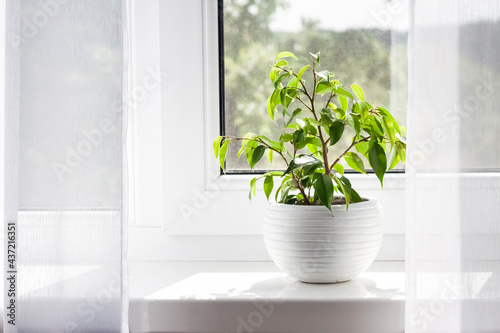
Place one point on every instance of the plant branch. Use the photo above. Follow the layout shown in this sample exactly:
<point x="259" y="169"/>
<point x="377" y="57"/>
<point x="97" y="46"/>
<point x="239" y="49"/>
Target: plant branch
<point x="347" y="150"/>
<point x="307" y="106"/>
<point x="330" y="99"/>
<point x="301" y="189"/>
<point x="258" y="140"/>
<point x="305" y="89"/>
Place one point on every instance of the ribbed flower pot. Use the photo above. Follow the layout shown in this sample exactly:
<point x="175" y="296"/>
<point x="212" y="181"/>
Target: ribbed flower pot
<point x="313" y="245"/>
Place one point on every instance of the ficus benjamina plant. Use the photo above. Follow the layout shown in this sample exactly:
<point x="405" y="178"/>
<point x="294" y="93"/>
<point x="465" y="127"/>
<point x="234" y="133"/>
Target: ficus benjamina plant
<point x="316" y="116"/>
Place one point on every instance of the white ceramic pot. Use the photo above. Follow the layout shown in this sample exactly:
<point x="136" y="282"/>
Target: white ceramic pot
<point x="313" y="245"/>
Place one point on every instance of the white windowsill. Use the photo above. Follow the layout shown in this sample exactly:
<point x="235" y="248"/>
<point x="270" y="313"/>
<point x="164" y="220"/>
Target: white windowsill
<point x="257" y="297"/>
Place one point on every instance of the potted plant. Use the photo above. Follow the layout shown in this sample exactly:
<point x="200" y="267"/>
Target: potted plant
<point x="320" y="230"/>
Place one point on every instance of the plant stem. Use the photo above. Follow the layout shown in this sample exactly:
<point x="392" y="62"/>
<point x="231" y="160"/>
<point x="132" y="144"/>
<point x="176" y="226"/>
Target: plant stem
<point x="330" y="99"/>
<point x="320" y="131"/>
<point x="325" y="150"/>
<point x="307" y="106"/>
<point x="301" y="189"/>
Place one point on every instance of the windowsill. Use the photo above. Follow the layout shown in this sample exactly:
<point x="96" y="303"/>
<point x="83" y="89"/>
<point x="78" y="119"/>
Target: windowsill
<point x="257" y="297"/>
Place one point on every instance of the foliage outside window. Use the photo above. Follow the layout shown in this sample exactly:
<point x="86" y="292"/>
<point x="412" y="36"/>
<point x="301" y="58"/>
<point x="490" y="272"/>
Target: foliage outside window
<point x="361" y="51"/>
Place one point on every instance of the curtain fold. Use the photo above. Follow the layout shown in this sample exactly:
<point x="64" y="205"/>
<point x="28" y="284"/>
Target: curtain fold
<point x="453" y="167"/>
<point x="65" y="158"/>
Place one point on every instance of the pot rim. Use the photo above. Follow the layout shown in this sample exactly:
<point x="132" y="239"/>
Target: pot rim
<point x="370" y="202"/>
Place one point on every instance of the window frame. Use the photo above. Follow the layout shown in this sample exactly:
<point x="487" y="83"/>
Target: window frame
<point x="221" y="92"/>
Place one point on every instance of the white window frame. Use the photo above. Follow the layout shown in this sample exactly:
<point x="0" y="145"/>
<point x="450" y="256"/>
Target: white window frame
<point x="205" y="215"/>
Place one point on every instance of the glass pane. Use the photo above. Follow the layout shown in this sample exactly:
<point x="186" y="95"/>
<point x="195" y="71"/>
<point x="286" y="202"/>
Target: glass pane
<point x="361" y="41"/>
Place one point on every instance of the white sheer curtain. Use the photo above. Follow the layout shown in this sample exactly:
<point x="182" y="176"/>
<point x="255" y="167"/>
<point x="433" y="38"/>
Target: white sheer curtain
<point x="453" y="239"/>
<point x="66" y="75"/>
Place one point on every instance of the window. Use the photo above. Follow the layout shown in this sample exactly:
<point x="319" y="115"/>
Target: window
<point x="361" y="40"/>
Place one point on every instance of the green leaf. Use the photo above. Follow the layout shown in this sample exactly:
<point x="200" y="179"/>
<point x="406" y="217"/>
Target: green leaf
<point x="302" y="71"/>
<point x="268" y="186"/>
<point x="326" y="120"/>
<point x="253" y="188"/>
<point x="336" y="131"/>
<point x="251" y="144"/>
<point x="342" y="92"/>
<point x="347" y="184"/>
<point x="273" y="73"/>
<point x="323" y="87"/>
<point x="295" y="113"/>
<point x="402" y="154"/>
<point x="240" y="151"/>
<point x="324" y="188"/>
<point x="389" y="130"/>
<point x="293" y="83"/>
<point x="389" y="115"/>
<point x="303" y="161"/>
<point x="282" y="189"/>
<point x="376" y="126"/>
<point x="339" y="168"/>
<point x="378" y="161"/>
<point x="273" y="144"/>
<point x="217" y="146"/>
<point x="291" y="167"/>
<point x="281" y="63"/>
<point x="286" y="96"/>
<point x="353" y="121"/>
<point x="345" y="190"/>
<point x="342" y="102"/>
<point x="314" y="141"/>
<point x="285" y="54"/>
<point x="302" y="123"/>
<point x="270" y="155"/>
<point x="277" y="193"/>
<point x="244" y="143"/>
<point x="298" y="136"/>
<point x="312" y="148"/>
<point x="394" y="158"/>
<point x="355" y="196"/>
<point x="358" y="91"/>
<point x="362" y="109"/>
<point x="315" y="57"/>
<point x="309" y="170"/>
<point x="280" y="79"/>
<point x="313" y="121"/>
<point x="403" y="132"/>
<point x="340" y="113"/>
<point x="362" y="147"/>
<point x="325" y="75"/>
<point x="247" y="136"/>
<point x="272" y="102"/>
<point x="270" y="107"/>
<point x="355" y="162"/>
<point x="222" y="153"/>
<point x="286" y="137"/>
<point x="255" y="156"/>
<point x="310" y="129"/>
